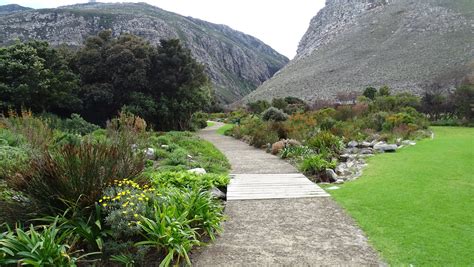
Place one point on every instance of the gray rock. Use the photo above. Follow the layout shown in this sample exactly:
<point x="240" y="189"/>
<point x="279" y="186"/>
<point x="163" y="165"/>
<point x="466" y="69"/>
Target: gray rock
<point x="383" y="147"/>
<point x="408" y="143"/>
<point x="165" y="147"/>
<point x="352" y="144"/>
<point x="333" y="188"/>
<point x="339" y="181"/>
<point x="215" y="192"/>
<point x="150" y="153"/>
<point x="366" y="144"/>
<point x="331" y="175"/>
<point x="366" y="151"/>
<point x="198" y="171"/>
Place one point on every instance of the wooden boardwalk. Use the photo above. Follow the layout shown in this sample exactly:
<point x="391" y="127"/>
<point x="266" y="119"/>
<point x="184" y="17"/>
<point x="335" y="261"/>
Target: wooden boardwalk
<point x="272" y="186"/>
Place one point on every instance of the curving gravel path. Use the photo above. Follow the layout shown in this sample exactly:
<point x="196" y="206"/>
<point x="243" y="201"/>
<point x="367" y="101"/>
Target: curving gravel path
<point x="290" y="232"/>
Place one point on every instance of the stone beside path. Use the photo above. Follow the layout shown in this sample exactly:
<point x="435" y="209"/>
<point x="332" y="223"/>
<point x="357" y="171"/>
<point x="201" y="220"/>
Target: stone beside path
<point x="292" y="231"/>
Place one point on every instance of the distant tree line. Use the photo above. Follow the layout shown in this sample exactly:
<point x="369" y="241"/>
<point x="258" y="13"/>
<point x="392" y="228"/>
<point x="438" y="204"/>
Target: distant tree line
<point x="163" y="84"/>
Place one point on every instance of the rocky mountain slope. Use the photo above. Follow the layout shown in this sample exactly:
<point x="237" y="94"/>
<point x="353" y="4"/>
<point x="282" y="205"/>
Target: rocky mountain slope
<point x="409" y="45"/>
<point x="236" y="62"/>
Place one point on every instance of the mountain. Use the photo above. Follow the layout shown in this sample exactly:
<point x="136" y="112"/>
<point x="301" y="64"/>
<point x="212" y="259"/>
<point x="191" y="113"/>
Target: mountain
<point x="409" y="45"/>
<point x="236" y="62"/>
<point x="12" y="8"/>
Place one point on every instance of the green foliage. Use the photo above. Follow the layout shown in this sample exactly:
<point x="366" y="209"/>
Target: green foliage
<point x="12" y="160"/>
<point x="36" y="76"/>
<point x="326" y="143"/>
<point x="258" y="106"/>
<point x="316" y="164"/>
<point x="295" y="152"/>
<point x="76" y="124"/>
<point x="43" y="247"/>
<point x="186" y="179"/>
<point x="384" y="91"/>
<point x="199" y="120"/>
<point x="464" y="102"/>
<point x="226" y="129"/>
<point x="274" y="114"/>
<point x="202" y="154"/>
<point x="370" y="93"/>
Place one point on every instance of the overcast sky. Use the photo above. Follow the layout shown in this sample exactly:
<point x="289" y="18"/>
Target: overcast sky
<point x="280" y="23"/>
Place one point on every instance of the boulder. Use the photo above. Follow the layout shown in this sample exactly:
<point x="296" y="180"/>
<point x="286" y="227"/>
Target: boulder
<point x="408" y="143"/>
<point x="366" y="144"/>
<point x="198" y="171"/>
<point x="331" y="175"/>
<point x="352" y="144"/>
<point x="292" y="143"/>
<point x="150" y="153"/>
<point x="366" y="151"/>
<point x="384" y="147"/>
<point x="278" y="146"/>
<point x="166" y="147"/>
<point x="215" y="192"/>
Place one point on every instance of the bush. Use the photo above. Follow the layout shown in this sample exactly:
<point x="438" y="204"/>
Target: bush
<point x="326" y="143"/>
<point x="297" y="152"/>
<point x="262" y="135"/>
<point x="186" y="179"/>
<point x="199" y="120"/>
<point x="274" y="114"/>
<point x="12" y="160"/>
<point x="316" y="165"/>
<point x="77" y="125"/>
<point x="258" y="106"/>
<point x="44" y="247"/>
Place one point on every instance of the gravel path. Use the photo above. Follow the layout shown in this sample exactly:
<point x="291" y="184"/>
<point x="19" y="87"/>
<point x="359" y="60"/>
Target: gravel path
<point x="289" y="232"/>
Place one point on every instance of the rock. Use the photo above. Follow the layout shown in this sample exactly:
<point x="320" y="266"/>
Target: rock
<point x="366" y="144"/>
<point x="278" y="146"/>
<point x="197" y="171"/>
<point x="398" y="141"/>
<point x="332" y="176"/>
<point x="292" y="143"/>
<point x="150" y="153"/>
<point x="352" y="144"/>
<point x="339" y="181"/>
<point x="333" y="188"/>
<point x="408" y="143"/>
<point x="352" y="150"/>
<point x="344" y="157"/>
<point x="215" y="192"/>
<point x="190" y="157"/>
<point x="165" y="147"/>
<point x="366" y="151"/>
<point x="383" y="147"/>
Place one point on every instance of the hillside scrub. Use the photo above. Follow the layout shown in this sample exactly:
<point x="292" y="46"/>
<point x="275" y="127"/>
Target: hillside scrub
<point x="324" y="132"/>
<point x="102" y="197"/>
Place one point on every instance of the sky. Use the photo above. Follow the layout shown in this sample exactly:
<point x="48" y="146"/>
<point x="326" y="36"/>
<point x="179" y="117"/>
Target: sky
<point x="280" y="23"/>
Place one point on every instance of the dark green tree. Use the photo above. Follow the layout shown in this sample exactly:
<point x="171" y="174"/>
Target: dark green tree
<point x="33" y="75"/>
<point x="370" y="92"/>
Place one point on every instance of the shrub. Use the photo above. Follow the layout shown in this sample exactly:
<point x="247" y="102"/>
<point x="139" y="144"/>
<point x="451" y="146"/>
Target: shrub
<point x="77" y="125"/>
<point x="295" y="152"/>
<point x="44" y="247"/>
<point x="274" y="114"/>
<point x="186" y="179"/>
<point x="370" y="92"/>
<point x="258" y="106"/>
<point x="300" y="126"/>
<point x="199" y="120"/>
<point x="326" y="143"/>
<point x="262" y="135"/>
<point x="394" y="120"/>
<point x="12" y="160"/>
<point x="316" y="164"/>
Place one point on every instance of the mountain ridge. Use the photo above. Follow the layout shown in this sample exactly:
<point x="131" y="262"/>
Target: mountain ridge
<point x="235" y="62"/>
<point x="351" y="44"/>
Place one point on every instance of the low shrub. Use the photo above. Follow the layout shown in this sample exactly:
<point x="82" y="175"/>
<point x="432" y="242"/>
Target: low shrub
<point x="274" y="114"/>
<point x="297" y="152"/>
<point x="199" y="120"/>
<point x="77" y="125"/>
<point x="36" y="247"/>
<point x="186" y="179"/>
<point x="326" y="143"/>
<point x="316" y="165"/>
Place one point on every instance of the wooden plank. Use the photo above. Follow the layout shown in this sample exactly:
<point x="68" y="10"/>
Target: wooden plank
<point x="272" y="186"/>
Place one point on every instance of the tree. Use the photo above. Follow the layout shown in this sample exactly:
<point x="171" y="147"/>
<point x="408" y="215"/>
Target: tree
<point x="35" y="76"/>
<point x="370" y="92"/>
<point x="163" y="84"/>
<point x="384" y="91"/>
<point x="464" y="102"/>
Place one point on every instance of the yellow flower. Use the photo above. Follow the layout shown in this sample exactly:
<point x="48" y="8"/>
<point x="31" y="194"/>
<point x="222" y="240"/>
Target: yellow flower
<point x="105" y="204"/>
<point x="100" y="200"/>
<point x="124" y="212"/>
<point x="135" y="215"/>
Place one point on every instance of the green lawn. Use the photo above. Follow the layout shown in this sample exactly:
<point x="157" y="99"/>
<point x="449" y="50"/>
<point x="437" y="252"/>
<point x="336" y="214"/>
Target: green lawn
<point x="417" y="205"/>
<point x="210" y="124"/>
<point x="224" y="128"/>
